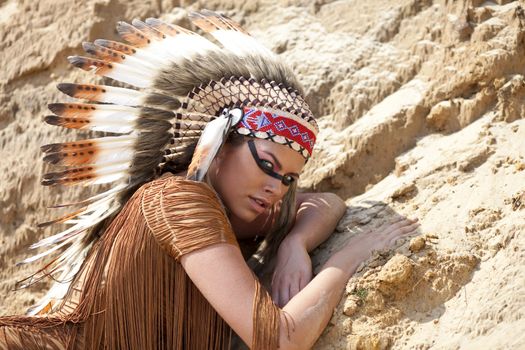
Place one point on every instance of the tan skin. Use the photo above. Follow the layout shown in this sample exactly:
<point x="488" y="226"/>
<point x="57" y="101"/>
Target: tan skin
<point x="247" y="192"/>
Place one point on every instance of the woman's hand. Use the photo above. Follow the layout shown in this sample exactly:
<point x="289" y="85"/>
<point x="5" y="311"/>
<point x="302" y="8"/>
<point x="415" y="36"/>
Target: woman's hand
<point x="363" y="245"/>
<point x="293" y="271"/>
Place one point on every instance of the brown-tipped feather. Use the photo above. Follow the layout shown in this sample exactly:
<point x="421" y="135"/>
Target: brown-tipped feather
<point x="103" y="52"/>
<point x="85" y="156"/>
<point x="202" y="22"/>
<point x="166" y="28"/>
<point x="149" y="31"/>
<point x="84" y="91"/>
<point x="132" y="35"/>
<point x="62" y="218"/>
<point x="116" y="46"/>
<point x="222" y="22"/>
<point x="70" y="123"/>
<point x="72" y="109"/>
<point x="69" y="177"/>
<point x="89" y="64"/>
<point x="69" y="146"/>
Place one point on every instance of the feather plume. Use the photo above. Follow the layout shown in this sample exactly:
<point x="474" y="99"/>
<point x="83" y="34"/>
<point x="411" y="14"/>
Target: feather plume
<point x="79" y="145"/>
<point x="113" y="118"/>
<point x="229" y="34"/>
<point x="150" y="31"/>
<point x="211" y="140"/>
<point x="102" y="93"/>
<point x="166" y="28"/>
<point x="133" y="35"/>
<point x="112" y="70"/>
<point x="86" y="175"/>
<point x="96" y="151"/>
<point x="171" y="43"/>
<point x="115" y="190"/>
<point x="110" y="55"/>
<point x="143" y="55"/>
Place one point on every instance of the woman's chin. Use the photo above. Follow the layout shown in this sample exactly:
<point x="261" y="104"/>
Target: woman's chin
<point x="244" y="214"/>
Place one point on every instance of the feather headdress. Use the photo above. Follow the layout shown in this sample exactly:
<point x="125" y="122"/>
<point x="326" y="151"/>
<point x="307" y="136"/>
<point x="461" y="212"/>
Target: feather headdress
<point x="186" y="94"/>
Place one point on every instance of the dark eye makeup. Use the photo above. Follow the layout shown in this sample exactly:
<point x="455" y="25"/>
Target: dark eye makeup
<point x="267" y="166"/>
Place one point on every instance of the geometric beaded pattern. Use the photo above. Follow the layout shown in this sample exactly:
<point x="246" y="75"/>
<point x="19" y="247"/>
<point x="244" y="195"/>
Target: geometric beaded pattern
<point x="278" y="125"/>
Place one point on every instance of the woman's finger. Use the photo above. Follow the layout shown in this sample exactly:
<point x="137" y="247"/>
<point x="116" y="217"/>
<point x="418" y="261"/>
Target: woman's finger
<point x="404" y="232"/>
<point x="391" y="227"/>
<point x="401" y="227"/>
<point x="390" y="224"/>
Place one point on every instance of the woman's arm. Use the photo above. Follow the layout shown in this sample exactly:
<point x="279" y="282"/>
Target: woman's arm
<point x="316" y="219"/>
<point x="223" y="277"/>
<point x="317" y="216"/>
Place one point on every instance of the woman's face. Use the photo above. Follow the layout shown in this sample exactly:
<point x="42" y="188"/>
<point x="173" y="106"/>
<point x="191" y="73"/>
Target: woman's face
<point x="245" y="189"/>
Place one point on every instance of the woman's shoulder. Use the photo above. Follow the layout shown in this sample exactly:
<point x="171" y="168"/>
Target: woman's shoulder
<point x="171" y="185"/>
<point x="171" y="194"/>
<point x="184" y="214"/>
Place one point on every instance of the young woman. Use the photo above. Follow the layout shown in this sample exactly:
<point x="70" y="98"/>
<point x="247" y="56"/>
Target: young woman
<point x="209" y="154"/>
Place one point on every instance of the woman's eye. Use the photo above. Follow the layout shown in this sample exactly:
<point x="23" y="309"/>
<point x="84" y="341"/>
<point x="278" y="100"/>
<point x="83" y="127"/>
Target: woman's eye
<point x="267" y="164"/>
<point x="288" y="179"/>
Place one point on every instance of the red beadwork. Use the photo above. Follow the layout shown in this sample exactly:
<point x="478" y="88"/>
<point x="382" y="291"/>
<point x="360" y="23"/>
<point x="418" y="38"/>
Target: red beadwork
<point x="274" y="124"/>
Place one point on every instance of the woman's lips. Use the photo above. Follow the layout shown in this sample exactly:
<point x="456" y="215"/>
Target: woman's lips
<point x="258" y="205"/>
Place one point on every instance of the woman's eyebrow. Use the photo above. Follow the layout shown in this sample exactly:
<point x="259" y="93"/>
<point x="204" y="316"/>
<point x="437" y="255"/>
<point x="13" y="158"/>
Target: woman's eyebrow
<point x="274" y="159"/>
<point x="279" y="163"/>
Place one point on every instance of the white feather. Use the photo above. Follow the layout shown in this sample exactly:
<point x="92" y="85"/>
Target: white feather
<point x="96" y="197"/>
<point x="140" y="64"/>
<point x="129" y="75"/>
<point x="80" y="225"/>
<point x="122" y="96"/>
<point x="240" y="43"/>
<point x="69" y="263"/>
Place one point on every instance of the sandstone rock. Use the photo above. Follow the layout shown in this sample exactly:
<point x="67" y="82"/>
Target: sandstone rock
<point x="417" y="244"/>
<point x="396" y="270"/>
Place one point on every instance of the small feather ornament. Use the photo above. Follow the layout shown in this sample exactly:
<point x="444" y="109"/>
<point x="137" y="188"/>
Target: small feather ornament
<point x="213" y="137"/>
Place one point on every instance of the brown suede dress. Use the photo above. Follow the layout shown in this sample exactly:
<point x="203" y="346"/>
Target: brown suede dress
<point x="133" y="293"/>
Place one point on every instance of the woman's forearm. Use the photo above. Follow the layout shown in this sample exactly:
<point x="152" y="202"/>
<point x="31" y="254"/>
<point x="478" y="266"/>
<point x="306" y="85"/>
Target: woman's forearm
<point x="317" y="217"/>
<point x="312" y="307"/>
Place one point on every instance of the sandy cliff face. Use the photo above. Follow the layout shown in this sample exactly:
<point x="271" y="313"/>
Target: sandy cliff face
<point x="421" y="105"/>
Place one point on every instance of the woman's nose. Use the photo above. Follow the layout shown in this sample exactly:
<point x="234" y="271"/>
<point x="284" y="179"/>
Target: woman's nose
<point x="273" y="186"/>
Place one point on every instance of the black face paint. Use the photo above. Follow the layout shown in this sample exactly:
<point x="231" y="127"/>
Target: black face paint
<point x="267" y="166"/>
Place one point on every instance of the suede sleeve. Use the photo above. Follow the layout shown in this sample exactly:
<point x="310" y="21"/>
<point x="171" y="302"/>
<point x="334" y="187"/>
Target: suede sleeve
<point x="185" y="215"/>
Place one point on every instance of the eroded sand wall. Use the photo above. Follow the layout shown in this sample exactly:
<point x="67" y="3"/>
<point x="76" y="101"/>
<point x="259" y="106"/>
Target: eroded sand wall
<point x="421" y="105"/>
